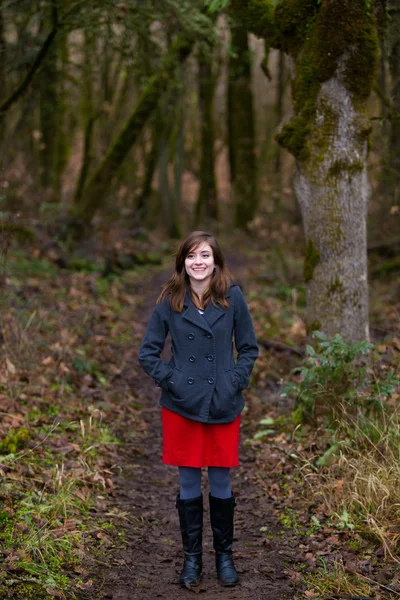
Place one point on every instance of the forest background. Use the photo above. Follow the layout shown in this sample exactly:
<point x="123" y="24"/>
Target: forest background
<point x="272" y="124"/>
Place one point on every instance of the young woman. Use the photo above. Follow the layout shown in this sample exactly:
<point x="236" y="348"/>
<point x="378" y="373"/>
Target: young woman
<point x="201" y="394"/>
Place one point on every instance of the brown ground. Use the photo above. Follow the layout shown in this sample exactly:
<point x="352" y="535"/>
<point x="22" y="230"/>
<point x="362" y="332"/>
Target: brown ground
<point x="150" y="565"/>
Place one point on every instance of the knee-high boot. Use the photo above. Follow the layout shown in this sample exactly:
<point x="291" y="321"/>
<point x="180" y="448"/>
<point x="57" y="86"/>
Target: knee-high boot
<point x="191" y="523"/>
<point x="221" y="514"/>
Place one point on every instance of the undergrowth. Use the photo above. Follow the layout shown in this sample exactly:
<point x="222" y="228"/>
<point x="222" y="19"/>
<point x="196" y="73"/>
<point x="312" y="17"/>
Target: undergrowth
<point x="348" y="396"/>
<point x="63" y="338"/>
<point x="48" y="491"/>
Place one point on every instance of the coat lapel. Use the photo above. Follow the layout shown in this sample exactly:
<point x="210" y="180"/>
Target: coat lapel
<point x="213" y="313"/>
<point x="192" y="314"/>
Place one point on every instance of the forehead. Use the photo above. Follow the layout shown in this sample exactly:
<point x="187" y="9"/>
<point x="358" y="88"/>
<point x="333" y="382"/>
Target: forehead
<point x="202" y="247"/>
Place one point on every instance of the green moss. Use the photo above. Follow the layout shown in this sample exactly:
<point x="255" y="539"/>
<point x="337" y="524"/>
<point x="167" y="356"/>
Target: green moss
<point x="15" y="440"/>
<point x="339" y="166"/>
<point x="293" y="19"/>
<point x="257" y="16"/>
<point x="354" y="35"/>
<point x="362" y="123"/>
<point x="307" y="34"/>
<point x="335" y="287"/>
<point x="314" y="326"/>
<point x="293" y="136"/>
<point x="311" y="259"/>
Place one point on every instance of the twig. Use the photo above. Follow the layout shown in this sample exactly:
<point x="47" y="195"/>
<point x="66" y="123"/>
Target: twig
<point x="23" y="580"/>
<point x="280" y="347"/>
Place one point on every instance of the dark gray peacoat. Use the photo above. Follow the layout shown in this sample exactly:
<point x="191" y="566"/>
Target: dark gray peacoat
<point x="202" y="381"/>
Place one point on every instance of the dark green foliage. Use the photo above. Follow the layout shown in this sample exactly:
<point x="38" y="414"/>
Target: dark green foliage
<point x="338" y="380"/>
<point x="257" y="16"/>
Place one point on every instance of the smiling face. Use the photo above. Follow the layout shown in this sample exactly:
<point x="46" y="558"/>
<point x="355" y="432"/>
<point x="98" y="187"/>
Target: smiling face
<point x="199" y="265"/>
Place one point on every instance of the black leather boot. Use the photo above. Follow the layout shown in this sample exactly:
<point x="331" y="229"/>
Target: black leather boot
<point x="221" y="514"/>
<point x="191" y="523"/>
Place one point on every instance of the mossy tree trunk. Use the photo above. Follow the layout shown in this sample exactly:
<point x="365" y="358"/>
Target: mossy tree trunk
<point x="279" y="104"/>
<point x="88" y="112"/>
<point x="394" y="66"/>
<point x="3" y="63"/>
<point x="328" y="135"/>
<point x="142" y="203"/>
<point x="333" y="45"/>
<point x="172" y="126"/>
<point x="206" y="205"/>
<point x="106" y="123"/>
<point x="53" y="143"/>
<point x="241" y="134"/>
<point x="99" y="184"/>
<point x="168" y="198"/>
<point x="3" y="58"/>
<point x="179" y="139"/>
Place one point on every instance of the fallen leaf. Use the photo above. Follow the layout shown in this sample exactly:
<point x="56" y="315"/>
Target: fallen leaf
<point x="10" y="367"/>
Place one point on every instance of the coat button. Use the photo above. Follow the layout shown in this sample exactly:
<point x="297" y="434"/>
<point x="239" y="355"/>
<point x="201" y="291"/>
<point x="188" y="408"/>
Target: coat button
<point x="210" y="357"/>
<point x="209" y="335"/>
<point x="192" y="358"/>
<point x="157" y="382"/>
<point x="211" y="380"/>
<point x="191" y="336"/>
<point x="190" y="380"/>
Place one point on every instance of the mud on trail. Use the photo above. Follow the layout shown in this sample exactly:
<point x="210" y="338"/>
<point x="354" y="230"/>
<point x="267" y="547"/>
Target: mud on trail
<point x="150" y="563"/>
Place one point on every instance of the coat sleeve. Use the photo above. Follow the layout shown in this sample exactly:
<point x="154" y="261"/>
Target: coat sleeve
<point x="152" y="346"/>
<point x="245" y="340"/>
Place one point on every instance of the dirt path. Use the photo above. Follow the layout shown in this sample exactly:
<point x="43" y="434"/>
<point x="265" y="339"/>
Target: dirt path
<point x="149" y="566"/>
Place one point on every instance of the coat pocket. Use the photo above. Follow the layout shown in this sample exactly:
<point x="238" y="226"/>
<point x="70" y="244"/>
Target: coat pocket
<point x="229" y="383"/>
<point x="174" y="382"/>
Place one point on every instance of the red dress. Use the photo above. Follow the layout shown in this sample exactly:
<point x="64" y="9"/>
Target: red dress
<point x="188" y="443"/>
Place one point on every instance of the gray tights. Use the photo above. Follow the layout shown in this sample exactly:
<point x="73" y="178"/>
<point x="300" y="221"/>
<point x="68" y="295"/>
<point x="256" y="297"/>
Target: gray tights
<point x="218" y="478"/>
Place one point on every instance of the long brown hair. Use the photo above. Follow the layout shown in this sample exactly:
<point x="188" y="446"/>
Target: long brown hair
<point x="179" y="283"/>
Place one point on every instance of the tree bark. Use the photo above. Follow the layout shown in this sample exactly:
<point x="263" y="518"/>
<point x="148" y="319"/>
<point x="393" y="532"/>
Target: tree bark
<point x="88" y="113"/>
<point x="241" y="132"/>
<point x="333" y="196"/>
<point x="53" y="143"/>
<point x="206" y="205"/>
<point x="100" y="183"/>
<point x="334" y="51"/>
<point x="394" y="66"/>
<point x="278" y="108"/>
<point x="3" y="57"/>
<point x="6" y="104"/>
<point x="168" y="199"/>
<point x="150" y="167"/>
<point x="331" y="182"/>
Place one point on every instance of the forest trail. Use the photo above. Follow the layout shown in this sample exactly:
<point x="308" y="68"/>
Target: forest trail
<point x="149" y="566"/>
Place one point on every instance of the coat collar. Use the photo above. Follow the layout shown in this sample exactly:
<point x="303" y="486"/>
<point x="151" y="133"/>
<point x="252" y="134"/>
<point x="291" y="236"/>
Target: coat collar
<point x="211" y="314"/>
